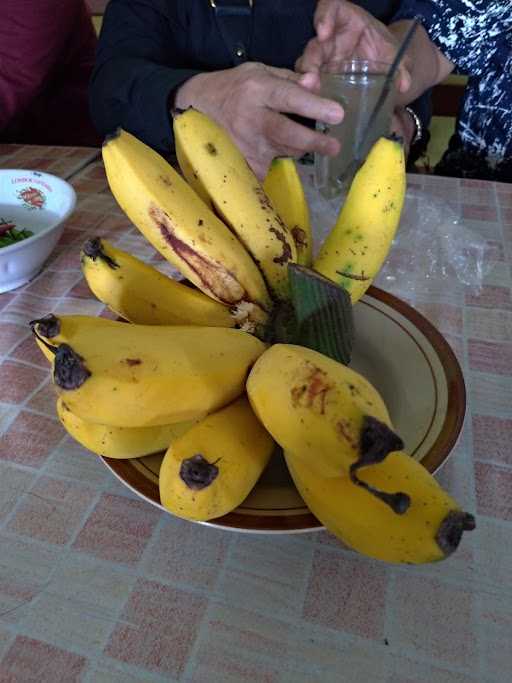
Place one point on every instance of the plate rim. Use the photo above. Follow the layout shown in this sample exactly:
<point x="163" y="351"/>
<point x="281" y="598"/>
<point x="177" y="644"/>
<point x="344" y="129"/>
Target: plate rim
<point x="307" y="522"/>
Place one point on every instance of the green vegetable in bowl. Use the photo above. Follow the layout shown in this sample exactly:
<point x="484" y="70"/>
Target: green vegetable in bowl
<point x="10" y="235"/>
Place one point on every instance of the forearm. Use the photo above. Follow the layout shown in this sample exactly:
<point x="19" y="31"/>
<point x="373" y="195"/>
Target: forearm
<point x="426" y="64"/>
<point x="138" y="67"/>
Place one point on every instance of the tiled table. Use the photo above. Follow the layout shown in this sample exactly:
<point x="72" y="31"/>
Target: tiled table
<point x="62" y="161"/>
<point x="98" y="586"/>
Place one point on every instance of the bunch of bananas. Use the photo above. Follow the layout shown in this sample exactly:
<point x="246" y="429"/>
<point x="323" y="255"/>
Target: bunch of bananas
<point x="194" y="373"/>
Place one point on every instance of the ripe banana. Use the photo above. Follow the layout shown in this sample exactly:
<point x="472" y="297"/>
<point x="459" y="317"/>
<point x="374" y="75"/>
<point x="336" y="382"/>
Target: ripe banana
<point x="130" y="375"/>
<point x="191" y="176"/>
<point x="184" y="230"/>
<point x="119" y="442"/>
<point x="320" y="410"/>
<point x="237" y="195"/>
<point x="429" y="529"/>
<point x="283" y="187"/>
<point x="355" y="250"/>
<point x="143" y="295"/>
<point x="64" y="330"/>
<point x="212" y="468"/>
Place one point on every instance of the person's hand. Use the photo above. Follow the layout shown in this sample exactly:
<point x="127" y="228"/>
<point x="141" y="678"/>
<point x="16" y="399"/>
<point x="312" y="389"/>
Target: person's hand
<point x="346" y="31"/>
<point x="250" y="101"/>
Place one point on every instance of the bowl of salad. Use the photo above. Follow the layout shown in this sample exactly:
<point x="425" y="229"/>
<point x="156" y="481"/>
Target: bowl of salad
<point x="33" y="209"/>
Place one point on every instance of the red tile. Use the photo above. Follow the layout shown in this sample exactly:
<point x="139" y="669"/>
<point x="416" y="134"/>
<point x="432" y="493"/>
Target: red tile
<point x="163" y="625"/>
<point x="32" y="660"/>
<point x="188" y="553"/>
<point x="491" y="297"/>
<point x="30" y="439"/>
<point x="479" y="212"/>
<point x="347" y="594"/>
<point x="72" y="236"/>
<point x="18" y="381"/>
<point x="493" y="491"/>
<point x="118" y="529"/>
<point x="494" y="251"/>
<point x="52" y="510"/>
<point x="29" y="351"/>
<point x="52" y="283"/>
<point x="67" y="260"/>
<point x="28" y="307"/>
<point x="81" y="290"/>
<point x="504" y="197"/>
<point x="492" y="438"/>
<point x="473" y="184"/>
<point x="435" y="619"/>
<point x="10" y="334"/>
<point x="44" y="400"/>
<point x="506" y="214"/>
<point x="490" y="357"/>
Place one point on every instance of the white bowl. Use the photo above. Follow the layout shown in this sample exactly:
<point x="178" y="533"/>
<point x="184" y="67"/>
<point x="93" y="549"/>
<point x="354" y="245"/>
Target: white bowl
<point x="39" y="202"/>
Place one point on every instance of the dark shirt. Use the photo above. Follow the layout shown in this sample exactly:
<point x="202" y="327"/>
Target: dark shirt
<point x="46" y="58"/>
<point x="147" y="48"/>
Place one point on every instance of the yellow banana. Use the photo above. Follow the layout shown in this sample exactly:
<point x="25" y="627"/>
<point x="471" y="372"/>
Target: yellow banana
<point x="141" y="294"/>
<point x="130" y="375"/>
<point x="190" y="175"/>
<point x="236" y="194"/>
<point x="64" y="330"/>
<point x="119" y="442"/>
<point x="283" y="187"/>
<point x="428" y="527"/>
<point x="184" y="230"/>
<point x="320" y="410"/>
<point x="212" y="468"/>
<point x="355" y="250"/>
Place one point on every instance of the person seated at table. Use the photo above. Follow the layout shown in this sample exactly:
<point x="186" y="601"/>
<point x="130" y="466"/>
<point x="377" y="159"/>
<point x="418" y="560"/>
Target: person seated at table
<point x="47" y="52"/>
<point x="232" y="60"/>
<point x="472" y="38"/>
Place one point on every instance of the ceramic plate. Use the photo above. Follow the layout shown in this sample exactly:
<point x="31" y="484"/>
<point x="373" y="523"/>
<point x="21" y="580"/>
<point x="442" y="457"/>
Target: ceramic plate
<point x="418" y="376"/>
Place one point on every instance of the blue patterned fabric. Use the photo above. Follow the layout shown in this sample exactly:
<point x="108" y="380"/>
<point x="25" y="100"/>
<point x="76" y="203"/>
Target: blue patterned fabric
<point x="476" y="36"/>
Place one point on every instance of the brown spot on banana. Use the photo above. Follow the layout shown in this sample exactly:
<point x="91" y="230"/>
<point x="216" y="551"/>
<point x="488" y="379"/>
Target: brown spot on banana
<point x="287" y="250"/>
<point x="354" y="276"/>
<point x="299" y="237"/>
<point x="312" y="391"/>
<point x="213" y="277"/>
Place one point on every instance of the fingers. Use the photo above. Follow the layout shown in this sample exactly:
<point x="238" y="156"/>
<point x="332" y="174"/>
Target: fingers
<point x="285" y="134"/>
<point x="287" y="97"/>
<point x="310" y="81"/>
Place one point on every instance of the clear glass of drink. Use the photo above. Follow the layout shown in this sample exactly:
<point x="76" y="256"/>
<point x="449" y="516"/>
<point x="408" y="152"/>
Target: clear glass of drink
<point x="356" y="84"/>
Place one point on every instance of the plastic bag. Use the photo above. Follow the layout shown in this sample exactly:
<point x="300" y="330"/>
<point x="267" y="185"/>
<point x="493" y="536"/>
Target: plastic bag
<point x="434" y="251"/>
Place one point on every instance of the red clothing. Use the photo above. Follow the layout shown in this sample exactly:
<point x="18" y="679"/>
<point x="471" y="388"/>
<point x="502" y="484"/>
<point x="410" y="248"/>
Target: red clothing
<point x="47" y="50"/>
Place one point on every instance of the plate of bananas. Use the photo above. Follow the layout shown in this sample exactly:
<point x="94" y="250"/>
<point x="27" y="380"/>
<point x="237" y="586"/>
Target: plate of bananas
<point x="414" y="370"/>
<point x="277" y="391"/>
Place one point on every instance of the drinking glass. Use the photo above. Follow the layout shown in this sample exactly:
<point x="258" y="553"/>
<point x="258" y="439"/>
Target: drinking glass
<point x="356" y="84"/>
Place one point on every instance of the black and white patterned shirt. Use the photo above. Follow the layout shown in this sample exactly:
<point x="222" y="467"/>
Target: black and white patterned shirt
<point x="476" y="36"/>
